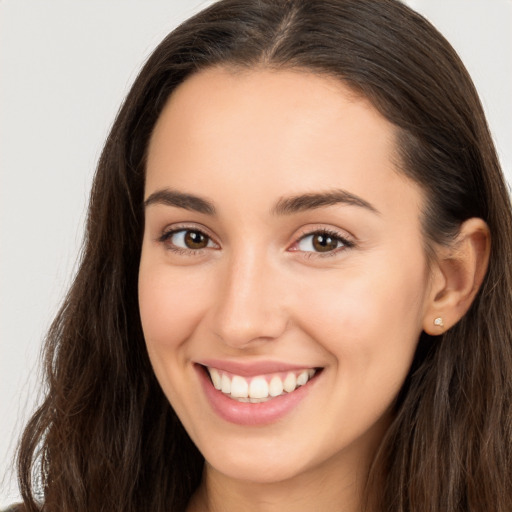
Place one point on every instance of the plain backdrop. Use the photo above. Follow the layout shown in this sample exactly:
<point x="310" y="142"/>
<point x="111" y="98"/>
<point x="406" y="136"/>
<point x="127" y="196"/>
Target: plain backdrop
<point x="65" y="67"/>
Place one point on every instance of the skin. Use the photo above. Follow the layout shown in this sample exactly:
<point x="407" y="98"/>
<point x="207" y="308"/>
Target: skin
<point x="259" y="291"/>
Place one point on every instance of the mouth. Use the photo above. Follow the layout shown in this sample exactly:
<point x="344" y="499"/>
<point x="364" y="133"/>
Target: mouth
<point x="259" y="388"/>
<point x="259" y="393"/>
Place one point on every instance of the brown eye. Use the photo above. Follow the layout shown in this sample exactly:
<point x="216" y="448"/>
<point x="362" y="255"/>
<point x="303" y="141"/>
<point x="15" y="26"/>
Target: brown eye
<point x="321" y="242"/>
<point x="324" y="243"/>
<point x="187" y="239"/>
<point x="195" y="240"/>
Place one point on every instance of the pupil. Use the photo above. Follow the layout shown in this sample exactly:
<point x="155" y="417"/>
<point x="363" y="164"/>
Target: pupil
<point x="324" y="243"/>
<point x="195" y="240"/>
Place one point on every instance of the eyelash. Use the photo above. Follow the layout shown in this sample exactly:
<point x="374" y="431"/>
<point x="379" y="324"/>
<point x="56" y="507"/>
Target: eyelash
<point x="345" y="243"/>
<point x="167" y="235"/>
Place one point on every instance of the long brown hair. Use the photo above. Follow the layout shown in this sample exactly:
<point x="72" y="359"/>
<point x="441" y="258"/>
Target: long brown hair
<point x="106" y="438"/>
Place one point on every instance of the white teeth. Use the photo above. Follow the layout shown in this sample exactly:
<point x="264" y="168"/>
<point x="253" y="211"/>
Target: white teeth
<point x="275" y="387"/>
<point x="239" y="387"/>
<point x="258" y="388"/>
<point x="259" y="400"/>
<point x="302" y="378"/>
<point x="216" y="379"/>
<point x="290" y="383"/>
<point x="225" y="384"/>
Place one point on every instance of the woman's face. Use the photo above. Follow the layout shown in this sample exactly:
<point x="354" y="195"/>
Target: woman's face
<point x="283" y="256"/>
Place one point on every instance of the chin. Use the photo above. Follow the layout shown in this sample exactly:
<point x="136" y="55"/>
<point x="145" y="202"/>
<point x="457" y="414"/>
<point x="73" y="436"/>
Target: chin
<point x="263" y="460"/>
<point x="264" y="470"/>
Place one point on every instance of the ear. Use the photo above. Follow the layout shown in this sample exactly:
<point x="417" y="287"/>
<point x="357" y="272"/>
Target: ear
<point x="456" y="277"/>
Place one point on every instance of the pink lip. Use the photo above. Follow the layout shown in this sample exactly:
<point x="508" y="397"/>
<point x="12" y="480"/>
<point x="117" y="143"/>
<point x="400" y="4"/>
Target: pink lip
<point x="247" y="414"/>
<point x="251" y="369"/>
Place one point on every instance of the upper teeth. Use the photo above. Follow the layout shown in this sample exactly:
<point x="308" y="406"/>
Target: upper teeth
<point x="260" y="388"/>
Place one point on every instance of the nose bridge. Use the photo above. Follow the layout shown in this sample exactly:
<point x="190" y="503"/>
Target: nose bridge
<point x="249" y="306"/>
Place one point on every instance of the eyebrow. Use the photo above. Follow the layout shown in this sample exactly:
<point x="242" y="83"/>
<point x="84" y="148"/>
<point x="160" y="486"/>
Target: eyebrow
<point x="304" y="202"/>
<point x="284" y="206"/>
<point x="180" y="200"/>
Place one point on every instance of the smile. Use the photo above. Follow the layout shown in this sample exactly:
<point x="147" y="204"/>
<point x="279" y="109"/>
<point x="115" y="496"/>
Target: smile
<point x="257" y="393"/>
<point x="259" y="388"/>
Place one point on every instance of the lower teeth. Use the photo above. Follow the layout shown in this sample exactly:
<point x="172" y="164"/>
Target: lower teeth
<point x="251" y="400"/>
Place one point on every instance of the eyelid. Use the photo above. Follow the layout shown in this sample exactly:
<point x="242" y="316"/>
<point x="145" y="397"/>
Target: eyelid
<point x="180" y="226"/>
<point x="171" y="229"/>
<point x="347" y="240"/>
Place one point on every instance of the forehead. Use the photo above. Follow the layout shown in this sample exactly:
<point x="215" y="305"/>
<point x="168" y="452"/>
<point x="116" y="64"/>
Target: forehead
<point x="288" y="104"/>
<point x="273" y="132"/>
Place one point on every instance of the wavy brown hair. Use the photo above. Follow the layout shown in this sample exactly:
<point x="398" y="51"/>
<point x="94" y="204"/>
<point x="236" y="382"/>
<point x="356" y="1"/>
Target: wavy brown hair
<point x="105" y="437"/>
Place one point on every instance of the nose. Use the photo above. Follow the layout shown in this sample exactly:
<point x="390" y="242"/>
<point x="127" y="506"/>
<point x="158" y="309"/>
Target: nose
<point x="249" y="308"/>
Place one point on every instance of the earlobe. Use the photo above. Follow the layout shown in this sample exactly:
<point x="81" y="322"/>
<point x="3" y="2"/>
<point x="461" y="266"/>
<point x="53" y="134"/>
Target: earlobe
<point x="460" y="270"/>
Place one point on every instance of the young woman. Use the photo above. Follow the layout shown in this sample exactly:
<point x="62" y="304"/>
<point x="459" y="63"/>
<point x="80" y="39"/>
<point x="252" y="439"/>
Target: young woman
<point x="295" y="291"/>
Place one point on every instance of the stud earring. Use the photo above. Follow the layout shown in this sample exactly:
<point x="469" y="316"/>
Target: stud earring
<point x="439" y="322"/>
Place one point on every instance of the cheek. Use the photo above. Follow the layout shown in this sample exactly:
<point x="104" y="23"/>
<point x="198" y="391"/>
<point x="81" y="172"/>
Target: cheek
<point x="368" y="319"/>
<point x="170" y="305"/>
<point x="170" y="308"/>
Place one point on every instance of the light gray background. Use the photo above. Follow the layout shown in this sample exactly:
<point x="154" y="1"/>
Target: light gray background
<point x="64" y="68"/>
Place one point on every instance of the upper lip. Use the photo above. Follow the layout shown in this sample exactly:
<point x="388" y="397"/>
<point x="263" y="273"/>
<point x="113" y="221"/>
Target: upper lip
<point x="252" y="368"/>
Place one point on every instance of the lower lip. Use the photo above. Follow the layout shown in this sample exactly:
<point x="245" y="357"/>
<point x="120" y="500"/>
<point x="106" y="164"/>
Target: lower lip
<point x="245" y="413"/>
